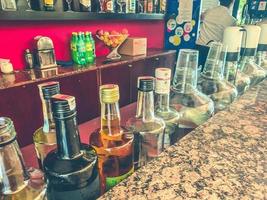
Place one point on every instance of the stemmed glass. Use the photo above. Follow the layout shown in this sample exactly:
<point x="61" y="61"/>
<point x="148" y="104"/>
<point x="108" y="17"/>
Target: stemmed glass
<point x="121" y="3"/>
<point x="69" y="6"/>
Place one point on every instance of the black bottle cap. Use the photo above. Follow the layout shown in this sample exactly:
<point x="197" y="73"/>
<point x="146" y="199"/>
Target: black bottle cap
<point x="63" y="106"/>
<point x="145" y="83"/>
<point x="47" y="90"/>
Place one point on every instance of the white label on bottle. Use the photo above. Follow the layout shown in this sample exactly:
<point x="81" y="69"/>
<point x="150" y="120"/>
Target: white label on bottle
<point x="86" y="3"/>
<point x="69" y="99"/>
<point x="163" y="86"/>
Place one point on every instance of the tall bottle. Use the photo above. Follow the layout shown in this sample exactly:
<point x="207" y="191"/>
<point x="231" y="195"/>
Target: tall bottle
<point x="232" y="39"/>
<point x="130" y="6"/>
<point x="85" y="5"/>
<point x="194" y="107"/>
<point x="49" y="5"/>
<point x="248" y="53"/>
<point x="81" y="49"/>
<point x="162" y="109"/>
<point x="73" y="48"/>
<point x="16" y="183"/>
<point x="113" y="143"/>
<point x="148" y="129"/>
<point x="45" y="137"/>
<point x="71" y="170"/>
<point x="89" y="51"/>
<point x="211" y="81"/>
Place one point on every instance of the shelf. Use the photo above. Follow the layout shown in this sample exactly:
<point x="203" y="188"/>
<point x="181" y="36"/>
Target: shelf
<point x="64" y="16"/>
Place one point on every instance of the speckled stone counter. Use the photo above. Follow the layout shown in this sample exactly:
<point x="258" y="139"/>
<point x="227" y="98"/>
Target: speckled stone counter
<point x="226" y="158"/>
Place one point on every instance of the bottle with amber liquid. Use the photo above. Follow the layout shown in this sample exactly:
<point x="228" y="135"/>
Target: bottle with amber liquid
<point x="194" y="107"/>
<point x="163" y="109"/>
<point x="148" y="129"/>
<point x="49" y="5"/>
<point x="45" y="137"/>
<point x="71" y="170"/>
<point x="16" y="182"/>
<point x="112" y="142"/>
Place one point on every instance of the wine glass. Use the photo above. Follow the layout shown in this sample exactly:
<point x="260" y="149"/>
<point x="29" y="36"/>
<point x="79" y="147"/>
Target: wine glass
<point x="69" y="5"/>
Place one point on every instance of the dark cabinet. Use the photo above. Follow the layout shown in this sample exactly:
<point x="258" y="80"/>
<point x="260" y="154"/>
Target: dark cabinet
<point x="120" y="75"/>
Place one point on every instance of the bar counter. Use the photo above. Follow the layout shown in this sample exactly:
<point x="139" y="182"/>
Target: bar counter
<point x="225" y="158"/>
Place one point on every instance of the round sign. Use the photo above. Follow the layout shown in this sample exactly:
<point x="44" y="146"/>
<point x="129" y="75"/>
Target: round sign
<point x="176" y="40"/>
<point x="179" y="31"/>
<point x="188" y="27"/>
<point x="171" y="24"/>
<point x="186" y="37"/>
<point x="171" y="39"/>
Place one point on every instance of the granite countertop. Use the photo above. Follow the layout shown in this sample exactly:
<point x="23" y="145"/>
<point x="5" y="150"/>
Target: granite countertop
<point x="226" y="158"/>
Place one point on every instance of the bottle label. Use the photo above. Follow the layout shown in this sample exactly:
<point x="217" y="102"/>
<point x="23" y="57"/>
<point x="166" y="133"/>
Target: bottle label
<point x="150" y="6"/>
<point x="109" y="6"/>
<point x="112" y="181"/>
<point x="163" y="86"/>
<point x="89" y="47"/>
<point x="49" y="2"/>
<point x="86" y="3"/>
<point x="81" y="48"/>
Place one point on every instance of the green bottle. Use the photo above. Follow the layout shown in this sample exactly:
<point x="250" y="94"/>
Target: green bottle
<point x="89" y="57"/>
<point x="73" y="47"/>
<point x="81" y="49"/>
<point x="93" y="45"/>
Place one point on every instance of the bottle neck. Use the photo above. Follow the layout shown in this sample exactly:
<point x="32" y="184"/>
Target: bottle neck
<point x="145" y="106"/>
<point x="163" y="102"/>
<point x="68" y="139"/>
<point x="49" y="123"/>
<point x="110" y="118"/>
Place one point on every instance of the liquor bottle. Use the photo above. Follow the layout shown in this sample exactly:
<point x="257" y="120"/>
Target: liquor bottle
<point x="148" y="129"/>
<point x="150" y="6"/>
<point x="108" y="6"/>
<point x="71" y="170"/>
<point x="29" y="59"/>
<point x="49" y="5"/>
<point x="130" y="6"/>
<point x="89" y="51"/>
<point x="156" y="6"/>
<point x="85" y="5"/>
<point x="16" y="183"/>
<point x="162" y="6"/>
<point x="45" y="137"/>
<point x="73" y="47"/>
<point x="212" y="82"/>
<point x="141" y="6"/>
<point x="113" y="143"/>
<point x="81" y="49"/>
<point x="162" y="109"/>
<point x="121" y="6"/>
<point x="248" y="51"/>
<point x="194" y="107"/>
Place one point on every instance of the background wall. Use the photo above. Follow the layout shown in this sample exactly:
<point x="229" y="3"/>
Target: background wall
<point x="15" y="37"/>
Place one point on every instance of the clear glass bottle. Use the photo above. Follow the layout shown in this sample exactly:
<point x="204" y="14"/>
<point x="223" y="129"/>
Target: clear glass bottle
<point x="194" y="107"/>
<point x="163" y="109"/>
<point x="112" y="142"/>
<point x="71" y="170"/>
<point x="211" y="81"/>
<point x="16" y="183"/>
<point x="148" y="129"/>
<point x="261" y="58"/>
<point x="45" y="137"/>
<point x="248" y="54"/>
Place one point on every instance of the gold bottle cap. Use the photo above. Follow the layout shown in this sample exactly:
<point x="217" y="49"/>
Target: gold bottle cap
<point x="109" y="93"/>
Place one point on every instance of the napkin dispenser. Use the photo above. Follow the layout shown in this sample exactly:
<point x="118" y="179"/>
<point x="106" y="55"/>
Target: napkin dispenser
<point x="45" y="53"/>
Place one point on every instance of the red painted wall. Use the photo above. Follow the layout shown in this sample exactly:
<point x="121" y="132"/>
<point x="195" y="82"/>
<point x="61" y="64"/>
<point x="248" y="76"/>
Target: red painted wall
<point x="15" y="37"/>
